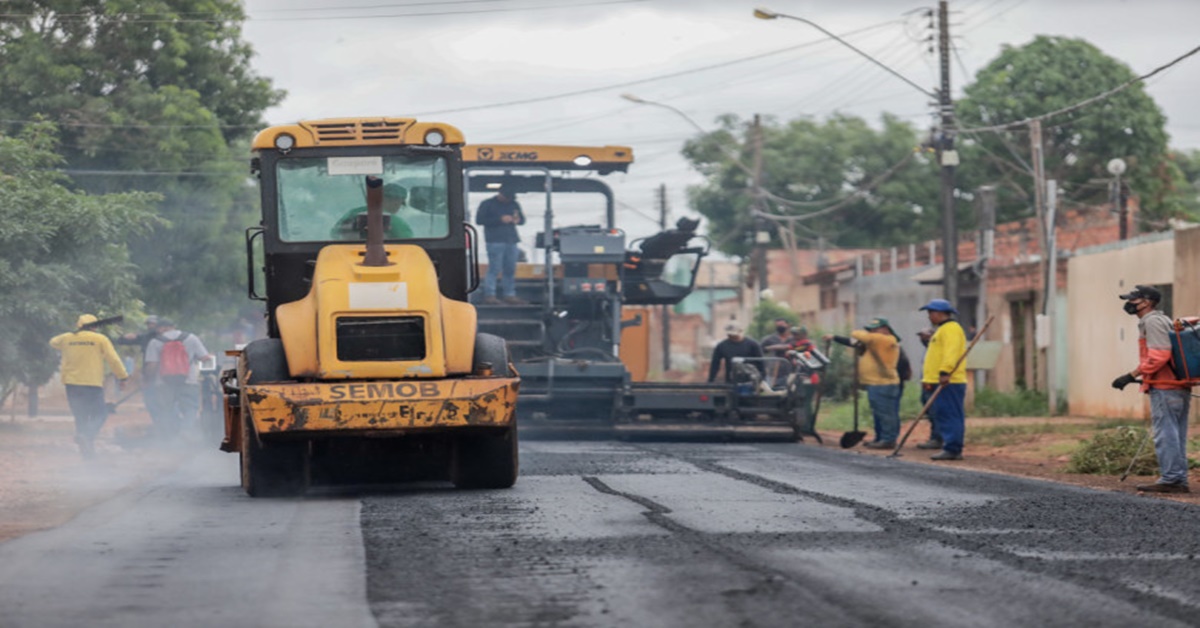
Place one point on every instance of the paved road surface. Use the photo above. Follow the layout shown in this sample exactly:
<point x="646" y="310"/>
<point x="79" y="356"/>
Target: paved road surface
<point x="603" y="534"/>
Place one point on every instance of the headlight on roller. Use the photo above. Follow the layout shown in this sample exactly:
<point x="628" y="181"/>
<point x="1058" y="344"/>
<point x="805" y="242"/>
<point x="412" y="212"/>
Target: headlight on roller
<point x="434" y="138"/>
<point x="285" y="142"/>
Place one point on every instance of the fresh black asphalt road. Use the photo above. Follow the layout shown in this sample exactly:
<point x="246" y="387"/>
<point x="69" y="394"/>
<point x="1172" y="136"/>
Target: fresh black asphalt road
<point x="619" y="534"/>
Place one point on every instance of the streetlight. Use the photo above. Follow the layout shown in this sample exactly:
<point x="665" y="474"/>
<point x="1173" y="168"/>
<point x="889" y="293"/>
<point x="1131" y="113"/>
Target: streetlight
<point x="767" y="14"/>
<point x="678" y="112"/>
<point x="725" y="149"/>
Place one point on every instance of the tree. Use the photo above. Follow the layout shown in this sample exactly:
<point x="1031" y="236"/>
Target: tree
<point x="62" y="253"/>
<point x="817" y="165"/>
<point x="153" y="95"/>
<point x="762" y="322"/>
<point x="1050" y="73"/>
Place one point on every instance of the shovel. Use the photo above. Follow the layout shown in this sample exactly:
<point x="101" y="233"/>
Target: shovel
<point x="850" y="439"/>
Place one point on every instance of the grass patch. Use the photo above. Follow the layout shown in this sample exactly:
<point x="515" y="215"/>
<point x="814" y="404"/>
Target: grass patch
<point x="1022" y="402"/>
<point x="1008" y="435"/>
<point x="1110" y="452"/>
<point x="839" y="415"/>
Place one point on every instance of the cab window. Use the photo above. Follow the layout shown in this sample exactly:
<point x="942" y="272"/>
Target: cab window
<point x="320" y="199"/>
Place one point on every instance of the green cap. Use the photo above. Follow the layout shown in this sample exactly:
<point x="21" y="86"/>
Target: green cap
<point x="876" y="323"/>
<point x="395" y="190"/>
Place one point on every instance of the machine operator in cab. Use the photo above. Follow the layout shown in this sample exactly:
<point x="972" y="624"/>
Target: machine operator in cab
<point x="351" y="227"/>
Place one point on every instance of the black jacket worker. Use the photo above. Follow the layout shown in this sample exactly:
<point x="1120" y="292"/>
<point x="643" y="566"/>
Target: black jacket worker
<point x="735" y="345"/>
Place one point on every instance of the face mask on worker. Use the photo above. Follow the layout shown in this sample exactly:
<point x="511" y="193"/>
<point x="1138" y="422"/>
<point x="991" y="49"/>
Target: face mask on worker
<point x="781" y="329"/>
<point x="1131" y="307"/>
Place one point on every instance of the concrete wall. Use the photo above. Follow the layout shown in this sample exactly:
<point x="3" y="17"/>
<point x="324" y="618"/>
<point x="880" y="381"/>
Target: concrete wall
<point x="896" y="297"/>
<point x="1102" y="338"/>
<point x="1187" y="272"/>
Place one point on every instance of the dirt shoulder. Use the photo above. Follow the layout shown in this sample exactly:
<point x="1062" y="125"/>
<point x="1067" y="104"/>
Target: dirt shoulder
<point x="44" y="481"/>
<point x="1033" y="447"/>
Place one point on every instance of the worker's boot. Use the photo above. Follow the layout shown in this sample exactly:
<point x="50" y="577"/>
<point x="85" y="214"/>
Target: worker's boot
<point x="1164" y="488"/>
<point x="932" y="443"/>
<point x="86" y="447"/>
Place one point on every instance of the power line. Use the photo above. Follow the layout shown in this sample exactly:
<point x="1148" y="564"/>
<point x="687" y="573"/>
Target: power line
<point x="591" y="90"/>
<point x="772" y="15"/>
<point x="398" y="5"/>
<point x="651" y="79"/>
<point x="324" y="18"/>
<point x="890" y="52"/>
<point x="994" y="15"/>
<point x="859" y="193"/>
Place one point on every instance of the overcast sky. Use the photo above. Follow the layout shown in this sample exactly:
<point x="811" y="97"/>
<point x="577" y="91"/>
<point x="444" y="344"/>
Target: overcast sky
<point x="409" y="58"/>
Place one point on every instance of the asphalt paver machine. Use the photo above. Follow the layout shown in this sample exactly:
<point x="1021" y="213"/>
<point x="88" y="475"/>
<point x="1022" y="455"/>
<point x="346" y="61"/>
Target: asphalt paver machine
<point x="585" y="299"/>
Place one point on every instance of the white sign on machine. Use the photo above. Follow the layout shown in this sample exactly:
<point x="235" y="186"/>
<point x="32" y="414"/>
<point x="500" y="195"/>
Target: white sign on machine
<point x="382" y="295"/>
<point x="354" y="165"/>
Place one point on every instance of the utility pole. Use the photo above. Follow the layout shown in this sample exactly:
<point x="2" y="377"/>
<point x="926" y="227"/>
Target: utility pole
<point x="947" y="159"/>
<point x="987" y="246"/>
<point x="1051" y="294"/>
<point x="666" y="309"/>
<point x="761" y="237"/>
<point x="1039" y="191"/>
<point x="1039" y="208"/>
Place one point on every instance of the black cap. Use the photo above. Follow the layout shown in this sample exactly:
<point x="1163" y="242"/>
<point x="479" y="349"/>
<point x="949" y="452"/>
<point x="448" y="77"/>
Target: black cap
<point x="1143" y="292"/>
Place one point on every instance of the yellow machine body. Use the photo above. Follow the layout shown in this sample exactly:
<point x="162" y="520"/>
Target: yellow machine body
<point x="384" y="395"/>
<point x="373" y="369"/>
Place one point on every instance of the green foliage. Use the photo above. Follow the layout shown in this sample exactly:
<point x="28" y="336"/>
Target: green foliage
<point x="1021" y="402"/>
<point x="62" y="253"/>
<point x="139" y="89"/>
<point x="1050" y="73"/>
<point x="1110" y="452"/>
<point x="838" y="377"/>
<point x="818" y="164"/>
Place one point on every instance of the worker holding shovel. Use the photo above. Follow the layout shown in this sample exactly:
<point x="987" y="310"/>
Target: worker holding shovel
<point x="945" y="367"/>
<point x="878" y="354"/>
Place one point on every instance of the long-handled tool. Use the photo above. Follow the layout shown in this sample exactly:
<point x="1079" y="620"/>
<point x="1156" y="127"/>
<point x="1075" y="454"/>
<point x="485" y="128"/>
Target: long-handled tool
<point x="938" y="390"/>
<point x="1137" y="455"/>
<point x="112" y="405"/>
<point x="852" y="438"/>
<point x="812" y="424"/>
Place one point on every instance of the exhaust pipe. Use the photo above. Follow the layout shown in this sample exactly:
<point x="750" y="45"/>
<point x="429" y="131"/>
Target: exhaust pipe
<point x="376" y="255"/>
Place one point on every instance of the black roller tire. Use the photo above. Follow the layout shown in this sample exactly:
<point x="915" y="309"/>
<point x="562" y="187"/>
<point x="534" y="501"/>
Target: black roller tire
<point x="270" y="469"/>
<point x="265" y="361"/>
<point x="273" y="469"/>
<point x="491" y="350"/>
<point x="488" y="461"/>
